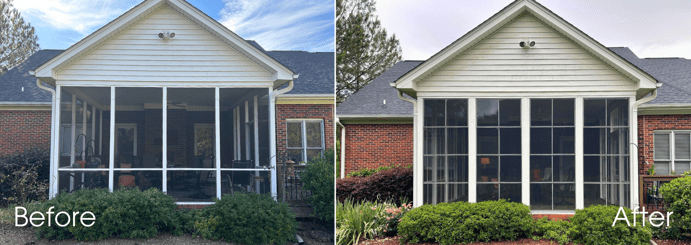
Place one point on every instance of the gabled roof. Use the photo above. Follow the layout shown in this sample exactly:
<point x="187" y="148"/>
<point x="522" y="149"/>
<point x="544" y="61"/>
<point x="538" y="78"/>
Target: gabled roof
<point x="369" y="101"/>
<point x="47" y="70"/>
<point x="408" y="81"/>
<point x="12" y="82"/>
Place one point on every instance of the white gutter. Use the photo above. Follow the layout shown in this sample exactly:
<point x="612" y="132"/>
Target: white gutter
<point x="633" y="144"/>
<point x="52" y="133"/>
<point x="343" y="142"/>
<point x="272" y="133"/>
<point x="416" y="180"/>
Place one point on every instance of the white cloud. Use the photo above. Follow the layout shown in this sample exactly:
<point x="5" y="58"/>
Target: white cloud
<point x="82" y="16"/>
<point x="282" y="25"/>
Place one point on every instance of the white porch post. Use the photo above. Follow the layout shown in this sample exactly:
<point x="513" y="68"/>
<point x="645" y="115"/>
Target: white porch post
<point x="247" y="135"/>
<point x="84" y="110"/>
<point x="93" y="129"/>
<point x="73" y="128"/>
<point x="217" y="141"/>
<point x="272" y="141"/>
<point x="256" y="140"/>
<point x="472" y="150"/>
<point x="633" y="152"/>
<point x="418" y="163"/>
<point x="579" y="120"/>
<point x="164" y="139"/>
<point x="55" y="146"/>
<point x="525" y="150"/>
<point x="111" y="153"/>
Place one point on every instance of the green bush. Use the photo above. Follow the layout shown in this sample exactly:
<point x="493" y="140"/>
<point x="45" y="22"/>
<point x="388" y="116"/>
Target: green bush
<point x="126" y="213"/>
<point x="358" y="220"/>
<point x="593" y="225"/>
<point x="318" y="178"/>
<point x="24" y="176"/>
<point x="462" y="222"/>
<point x="556" y="230"/>
<point x="182" y="221"/>
<point x="247" y="218"/>
<point x="366" y="172"/>
<point x="677" y="194"/>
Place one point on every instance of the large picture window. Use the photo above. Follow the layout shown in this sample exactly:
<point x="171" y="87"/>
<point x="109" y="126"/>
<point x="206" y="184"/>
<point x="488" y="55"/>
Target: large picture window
<point x="445" y="151"/>
<point x="552" y="159"/>
<point x="672" y="152"/>
<point x="305" y="139"/>
<point x="606" y="152"/>
<point x="499" y="150"/>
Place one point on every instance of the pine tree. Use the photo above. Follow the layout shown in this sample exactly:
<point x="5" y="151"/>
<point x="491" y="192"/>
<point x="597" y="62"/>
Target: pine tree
<point x="17" y="38"/>
<point x="363" y="49"/>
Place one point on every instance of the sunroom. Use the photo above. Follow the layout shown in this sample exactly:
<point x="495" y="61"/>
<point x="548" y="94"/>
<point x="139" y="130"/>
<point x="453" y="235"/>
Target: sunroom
<point x="164" y="97"/>
<point x="526" y="108"/>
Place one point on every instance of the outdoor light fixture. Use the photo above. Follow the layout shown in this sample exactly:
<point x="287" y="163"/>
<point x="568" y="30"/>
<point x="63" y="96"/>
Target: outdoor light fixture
<point x="527" y="44"/>
<point x="166" y="35"/>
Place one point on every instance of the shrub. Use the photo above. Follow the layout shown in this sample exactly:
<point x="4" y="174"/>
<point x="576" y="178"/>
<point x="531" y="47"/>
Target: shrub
<point x="393" y="184"/>
<point x="357" y="220"/>
<point x="319" y="180"/>
<point x="182" y="221"/>
<point x="557" y="230"/>
<point x="24" y="176"/>
<point x="392" y="217"/>
<point x="369" y="171"/>
<point x="677" y="194"/>
<point x="247" y="218"/>
<point x="462" y="222"/>
<point x="127" y="213"/>
<point x="593" y="225"/>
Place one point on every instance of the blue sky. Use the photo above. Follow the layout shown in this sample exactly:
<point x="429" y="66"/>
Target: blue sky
<point x="277" y="25"/>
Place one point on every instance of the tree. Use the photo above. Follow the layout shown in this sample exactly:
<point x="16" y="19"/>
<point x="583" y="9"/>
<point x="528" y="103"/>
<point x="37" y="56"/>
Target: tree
<point x="363" y="49"/>
<point x="17" y="38"/>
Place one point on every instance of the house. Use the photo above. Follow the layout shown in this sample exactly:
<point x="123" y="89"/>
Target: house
<point x="164" y="96"/>
<point x="524" y="107"/>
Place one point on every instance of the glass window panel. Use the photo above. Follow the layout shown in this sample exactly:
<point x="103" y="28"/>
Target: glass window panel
<point x="192" y="186"/>
<point x="233" y="182"/>
<point x="510" y="140"/>
<point x="564" y="169"/>
<point x="681" y="146"/>
<point x="614" y="169"/>
<point x="428" y="194"/>
<point x="458" y="192"/>
<point x="434" y="140"/>
<point x="564" y="197"/>
<point x="295" y="155"/>
<point x="458" y="168"/>
<point x="618" y="112"/>
<point x="441" y="193"/>
<point x="594" y="140"/>
<point x="457" y="140"/>
<point x="314" y="134"/>
<point x="563" y="112"/>
<point x="540" y="168"/>
<point x="661" y="142"/>
<point x="510" y="169"/>
<point x="488" y="169"/>
<point x="594" y="194"/>
<point x="140" y="179"/>
<point x="594" y="112"/>
<point x="313" y="153"/>
<point x="487" y="112"/>
<point x="511" y="192"/>
<point x="429" y="169"/>
<point x="615" y="140"/>
<point x="487" y="192"/>
<point x="70" y="181"/>
<point x="625" y="166"/>
<point x="510" y="112"/>
<point x="457" y="112"/>
<point x="541" y="196"/>
<point x="681" y="167"/>
<point x="613" y="197"/>
<point x="487" y="141"/>
<point x="564" y="140"/>
<point x="294" y="134"/>
<point x="591" y="168"/>
<point x="434" y="112"/>
<point x="541" y="112"/>
<point x="540" y="140"/>
<point x="441" y="169"/>
<point x="662" y="168"/>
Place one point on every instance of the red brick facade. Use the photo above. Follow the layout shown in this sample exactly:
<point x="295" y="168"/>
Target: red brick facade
<point x="24" y="128"/>
<point x="646" y="127"/>
<point x="303" y="111"/>
<point x="374" y="145"/>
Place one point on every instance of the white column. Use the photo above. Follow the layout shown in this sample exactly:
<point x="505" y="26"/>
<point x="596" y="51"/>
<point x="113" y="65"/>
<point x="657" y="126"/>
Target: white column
<point x="72" y="141"/>
<point x="343" y="149"/>
<point x="579" y="120"/>
<point x="164" y="139"/>
<point x="633" y="152"/>
<point x="472" y="150"/>
<point x="111" y="153"/>
<point x="418" y="167"/>
<point x="84" y="152"/>
<point x="55" y="149"/>
<point x="93" y="129"/>
<point x="238" y="133"/>
<point x="217" y="142"/>
<point x="272" y="141"/>
<point x="525" y="150"/>
<point x="247" y="133"/>
<point x="256" y="140"/>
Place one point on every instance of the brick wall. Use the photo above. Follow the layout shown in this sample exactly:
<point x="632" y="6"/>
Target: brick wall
<point x="22" y="129"/>
<point x="303" y="111"/>
<point x="646" y="127"/>
<point x="374" y="145"/>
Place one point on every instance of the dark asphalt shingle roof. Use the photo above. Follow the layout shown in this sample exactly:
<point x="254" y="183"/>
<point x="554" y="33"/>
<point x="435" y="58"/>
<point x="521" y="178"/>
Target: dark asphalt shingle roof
<point x="11" y="82"/>
<point x="369" y="100"/>
<point x="673" y="73"/>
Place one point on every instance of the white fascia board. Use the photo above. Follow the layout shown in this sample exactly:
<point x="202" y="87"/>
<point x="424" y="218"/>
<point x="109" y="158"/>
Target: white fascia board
<point x="643" y="80"/>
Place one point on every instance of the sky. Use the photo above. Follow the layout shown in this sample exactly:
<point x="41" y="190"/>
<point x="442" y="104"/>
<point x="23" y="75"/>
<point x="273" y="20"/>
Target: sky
<point x="275" y="24"/>
<point x="650" y="28"/>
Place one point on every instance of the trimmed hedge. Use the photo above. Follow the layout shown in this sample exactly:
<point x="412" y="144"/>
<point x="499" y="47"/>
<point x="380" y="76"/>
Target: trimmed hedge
<point x="391" y="184"/>
<point x="24" y="176"/>
<point x="462" y="222"/>
<point x="677" y="194"/>
<point x="370" y="171"/>
<point x="593" y="225"/>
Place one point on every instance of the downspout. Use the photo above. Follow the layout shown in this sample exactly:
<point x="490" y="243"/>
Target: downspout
<point x="272" y="134"/>
<point x="343" y="142"/>
<point x="416" y="181"/>
<point x="52" y="132"/>
<point x="634" y="147"/>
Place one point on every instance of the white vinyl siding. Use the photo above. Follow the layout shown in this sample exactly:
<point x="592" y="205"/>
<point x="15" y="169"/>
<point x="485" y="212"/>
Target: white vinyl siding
<point x="138" y="54"/>
<point x="497" y="63"/>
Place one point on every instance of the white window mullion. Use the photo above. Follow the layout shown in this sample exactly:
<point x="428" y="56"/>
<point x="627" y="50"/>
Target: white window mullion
<point x="164" y="154"/>
<point x="111" y="153"/>
<point x="472" y="150"/>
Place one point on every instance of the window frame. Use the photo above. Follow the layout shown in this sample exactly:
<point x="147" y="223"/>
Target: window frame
<point x="303" y="137"/>
<point x="672" y="159"/>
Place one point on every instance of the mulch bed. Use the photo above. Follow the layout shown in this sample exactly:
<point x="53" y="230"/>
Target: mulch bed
<point x="394" y="241"/>
<point x="671" y="242"/>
